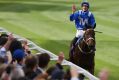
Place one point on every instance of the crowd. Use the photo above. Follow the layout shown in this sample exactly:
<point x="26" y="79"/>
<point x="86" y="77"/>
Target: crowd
<point x="18" y="63"/>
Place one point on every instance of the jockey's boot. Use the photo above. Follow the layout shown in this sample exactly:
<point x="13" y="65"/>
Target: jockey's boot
<point x="72" y="49"/>
<point x="73" y="44"/>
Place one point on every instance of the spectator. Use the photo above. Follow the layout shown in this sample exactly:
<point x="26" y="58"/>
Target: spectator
<point x="53" y="73"/>
<point x="12" y="73"/>
<point x="17" y="73"/>
<point x="31" y="63"/>
<point x="7" y="72"/>
<point x="43" y="60"/>
<point x="58" y="73"/>
<point x="19" y="56"/>
<point x="4" y="47"/>
<point x="3" y="40"/>
<point x="15" y="45"/>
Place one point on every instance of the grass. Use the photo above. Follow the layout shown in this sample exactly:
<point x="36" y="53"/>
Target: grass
<point x="46" y="22"/>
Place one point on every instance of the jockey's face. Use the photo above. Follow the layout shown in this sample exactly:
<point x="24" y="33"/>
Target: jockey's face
<point x="84" y="7"/>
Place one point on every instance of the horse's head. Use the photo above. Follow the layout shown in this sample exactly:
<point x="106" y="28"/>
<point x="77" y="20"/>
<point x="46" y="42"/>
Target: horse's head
<point x="89" y="38"/>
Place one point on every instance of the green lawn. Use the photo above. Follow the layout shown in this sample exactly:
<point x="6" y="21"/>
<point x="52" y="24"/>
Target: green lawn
<point x="46" y="22"/>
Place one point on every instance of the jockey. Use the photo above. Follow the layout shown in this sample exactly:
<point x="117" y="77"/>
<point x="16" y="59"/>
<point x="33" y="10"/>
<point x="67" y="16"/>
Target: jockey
<point x="84" y="19"/>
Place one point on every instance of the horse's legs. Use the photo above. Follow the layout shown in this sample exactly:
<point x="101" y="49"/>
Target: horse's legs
<point x="92" y="70"/>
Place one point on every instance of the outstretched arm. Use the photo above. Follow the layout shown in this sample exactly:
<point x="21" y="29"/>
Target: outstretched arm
<point x="74" y="14"/>
<point x="5" y="48"/>
<point x="10" y="39"/>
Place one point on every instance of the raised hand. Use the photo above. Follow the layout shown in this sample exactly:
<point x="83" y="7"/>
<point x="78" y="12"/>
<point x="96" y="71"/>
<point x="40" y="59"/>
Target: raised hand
<point x="60" y="57"/>
<point x="73" y="8"/>
<point x="10" y="37"/>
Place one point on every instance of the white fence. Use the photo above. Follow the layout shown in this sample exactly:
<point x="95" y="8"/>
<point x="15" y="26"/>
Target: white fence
<point x="53" y="56"/>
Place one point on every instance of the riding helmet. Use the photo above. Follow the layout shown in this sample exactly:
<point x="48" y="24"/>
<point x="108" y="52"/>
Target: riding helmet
<point x="85" y="3"/>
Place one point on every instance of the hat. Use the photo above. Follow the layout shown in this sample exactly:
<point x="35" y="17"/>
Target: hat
<point x="85" y="3"/>
<point x="18" y="54"/>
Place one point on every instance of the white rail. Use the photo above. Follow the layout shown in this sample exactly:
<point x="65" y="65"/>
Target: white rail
<point x="52" y="56"/>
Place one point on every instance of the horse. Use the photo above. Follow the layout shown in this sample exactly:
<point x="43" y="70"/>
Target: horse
<point x="84" y="52"/>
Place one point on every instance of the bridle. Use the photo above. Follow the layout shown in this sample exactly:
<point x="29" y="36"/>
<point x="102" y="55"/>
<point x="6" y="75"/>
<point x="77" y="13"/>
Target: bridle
<point x="90" y="38"/>
<point x="91" y="51"/>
